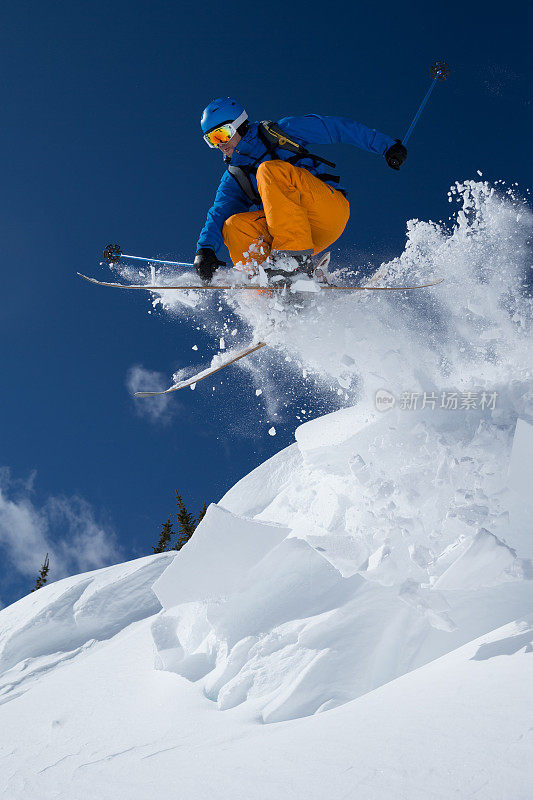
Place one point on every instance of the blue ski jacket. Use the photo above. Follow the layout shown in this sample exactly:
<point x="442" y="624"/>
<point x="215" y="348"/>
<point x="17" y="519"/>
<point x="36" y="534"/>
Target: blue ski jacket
<point x="310" y="129"/>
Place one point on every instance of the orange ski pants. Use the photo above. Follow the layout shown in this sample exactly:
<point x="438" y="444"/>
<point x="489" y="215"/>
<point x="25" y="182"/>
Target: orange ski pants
<point x="302" y="214"/>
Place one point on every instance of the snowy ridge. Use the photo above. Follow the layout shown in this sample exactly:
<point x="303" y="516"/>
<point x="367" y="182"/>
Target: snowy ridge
<point x="59" y="621"/>
<point x="395" y="540"/>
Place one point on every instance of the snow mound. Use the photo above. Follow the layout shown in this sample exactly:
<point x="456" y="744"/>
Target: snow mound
<point x="59" y="621"/>
<point x="376" y="544"/>
<point x="206" y="570"/>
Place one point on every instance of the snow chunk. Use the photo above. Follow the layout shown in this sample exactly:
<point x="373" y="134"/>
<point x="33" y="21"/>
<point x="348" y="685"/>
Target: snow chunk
<point x="334" y="429"/>
<point x="257" y="490"/>
<point x="487" y="562"/>
<point x="213" y="562"/>
<point x="305" y="285"/>
<point x="521" y="467"/>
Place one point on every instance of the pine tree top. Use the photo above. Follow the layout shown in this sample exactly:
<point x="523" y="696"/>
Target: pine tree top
<point x="43" y="574"/>
<point x="164" y="537"/>
<point x="186" y="521"/>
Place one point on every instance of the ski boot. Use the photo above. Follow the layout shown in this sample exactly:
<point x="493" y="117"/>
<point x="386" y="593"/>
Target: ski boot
<point x="282" y="268"/>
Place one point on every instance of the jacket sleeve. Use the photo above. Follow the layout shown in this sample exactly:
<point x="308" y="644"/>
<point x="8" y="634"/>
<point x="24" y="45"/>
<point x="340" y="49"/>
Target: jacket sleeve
<point x="315" y="129"/>
<point x="229" y="199"/>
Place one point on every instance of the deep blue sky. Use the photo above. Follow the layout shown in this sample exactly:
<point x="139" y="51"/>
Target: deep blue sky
<point x="100" y="142"/>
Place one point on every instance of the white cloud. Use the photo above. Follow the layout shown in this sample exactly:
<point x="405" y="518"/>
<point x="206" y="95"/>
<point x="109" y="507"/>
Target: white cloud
<point x="65" y="528"/>
<point x="85" y="543"/>
<point x="156" y="409"/>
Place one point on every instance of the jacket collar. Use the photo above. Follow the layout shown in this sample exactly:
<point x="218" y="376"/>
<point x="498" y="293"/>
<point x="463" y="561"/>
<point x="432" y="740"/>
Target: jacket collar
<point x="246" y="145"/>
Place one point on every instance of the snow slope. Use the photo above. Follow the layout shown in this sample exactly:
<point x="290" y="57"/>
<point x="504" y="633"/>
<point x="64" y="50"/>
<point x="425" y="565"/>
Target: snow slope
<point x="393" y="597"/>
<point x="104" y="724"/>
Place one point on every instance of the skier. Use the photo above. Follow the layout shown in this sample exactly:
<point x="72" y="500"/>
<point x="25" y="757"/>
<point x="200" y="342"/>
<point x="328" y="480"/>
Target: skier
<point x="301" y="208"/>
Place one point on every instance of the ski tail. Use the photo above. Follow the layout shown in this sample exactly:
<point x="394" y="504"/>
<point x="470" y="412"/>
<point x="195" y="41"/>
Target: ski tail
<point x="206" y="373"/>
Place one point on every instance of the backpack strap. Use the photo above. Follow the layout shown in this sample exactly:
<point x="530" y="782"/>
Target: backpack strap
<point x="242" y="176"/>
<point x="274" y="137"/>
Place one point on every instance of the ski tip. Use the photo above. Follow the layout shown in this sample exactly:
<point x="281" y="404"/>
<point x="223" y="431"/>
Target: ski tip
<point x="432" y="283"/>
<point x="147" y="394"/>
<point x="87" y="278"/>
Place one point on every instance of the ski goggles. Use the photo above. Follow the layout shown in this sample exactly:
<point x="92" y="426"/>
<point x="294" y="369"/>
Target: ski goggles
<point x="225" y="132"/>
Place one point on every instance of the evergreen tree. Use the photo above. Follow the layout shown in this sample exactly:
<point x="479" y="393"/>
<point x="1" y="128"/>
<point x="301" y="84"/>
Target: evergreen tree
<point x="164" y="537"/>
<point x="201" y="515"/>
<point x="43" y="574"/>
<point x="186" y="523"/>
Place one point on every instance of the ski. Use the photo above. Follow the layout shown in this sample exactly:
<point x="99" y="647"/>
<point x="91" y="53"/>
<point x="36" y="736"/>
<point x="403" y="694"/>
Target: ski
<point x="383" y="288"/>
<point x="200" y="376"/>
<point x="255" y="287"/>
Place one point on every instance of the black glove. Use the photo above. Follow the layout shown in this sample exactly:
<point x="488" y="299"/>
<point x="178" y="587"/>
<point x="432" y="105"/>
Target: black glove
<point x="206" y="263"/>
<point x="396" y="155"/>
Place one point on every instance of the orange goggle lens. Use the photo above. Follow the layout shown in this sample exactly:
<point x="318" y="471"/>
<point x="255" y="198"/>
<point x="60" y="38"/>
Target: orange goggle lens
<point x="219" y="135"/>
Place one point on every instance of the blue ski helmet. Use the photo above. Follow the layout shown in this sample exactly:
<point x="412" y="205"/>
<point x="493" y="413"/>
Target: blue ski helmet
<point x="220" y="111"/>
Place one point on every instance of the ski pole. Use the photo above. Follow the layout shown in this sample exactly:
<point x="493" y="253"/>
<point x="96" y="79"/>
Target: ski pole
<point x="439" y="71"/>
<point x="113" y="254"/>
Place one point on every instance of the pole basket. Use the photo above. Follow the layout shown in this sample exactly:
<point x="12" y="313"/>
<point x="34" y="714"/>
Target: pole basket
<point x="440" y="70"/>
<point x="112" y="254"/>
